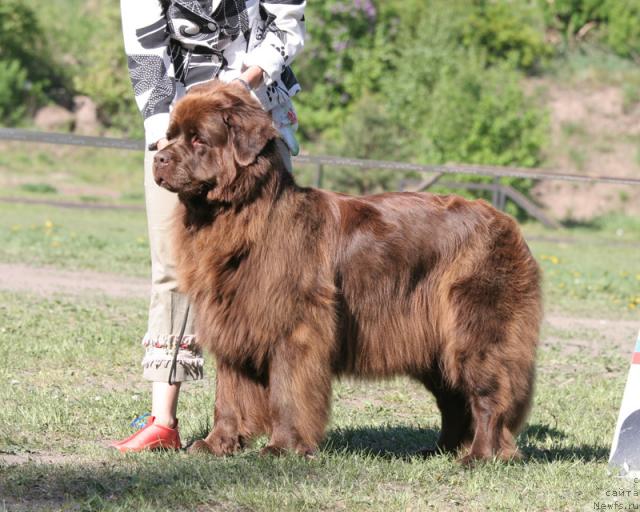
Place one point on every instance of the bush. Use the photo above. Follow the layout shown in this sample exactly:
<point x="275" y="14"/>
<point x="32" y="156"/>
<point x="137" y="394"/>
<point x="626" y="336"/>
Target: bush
<point x="30" y="75"/>
<point x="368" y="132"/>
<point x="337" y="32"/>
<point x="623" y="30"/>
<point x="481" y="116"/>
<point x="13" y="92"/>
<point x="511" y="32"/>
<point x="102" y="74"/>
<point x="569" y="16"/>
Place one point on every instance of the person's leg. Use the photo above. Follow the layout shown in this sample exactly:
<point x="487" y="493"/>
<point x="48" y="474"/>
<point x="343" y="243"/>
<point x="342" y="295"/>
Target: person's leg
<point x="164" y="403"/>
<point x="167" y="307"/>
<point x="167" y="311"/>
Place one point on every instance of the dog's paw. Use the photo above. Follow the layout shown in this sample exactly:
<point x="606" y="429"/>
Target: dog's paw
<point x="199" y="446"/>
<point x="306" y="451"/>
<point x="218" y="446"/>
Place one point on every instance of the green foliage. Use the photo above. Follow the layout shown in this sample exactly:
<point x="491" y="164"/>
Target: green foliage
<point x="430" y="83"/>
<point x="623" y="31"/>
<point x="433" y="82"/>
<point x="369" y="132"/>
<point x="27" y="68"/>
<point x="13" y="92"/>
<point x="507" y="31"/>
<point x="338" y="32"/>
<point x="569" y="16"/>
<point x="479" y="115"/>
<point x="22" y="39"/>
<point x="617" y="22"/>
<point x="458" y="107"/>
<point x="104" y="75"/>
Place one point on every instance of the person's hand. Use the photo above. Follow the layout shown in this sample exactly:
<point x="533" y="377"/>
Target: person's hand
<point x="162" y="143"/>
<point x="253" y="76"/>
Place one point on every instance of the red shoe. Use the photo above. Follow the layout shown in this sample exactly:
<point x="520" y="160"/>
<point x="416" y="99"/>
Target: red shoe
<point x="150" y="437"/>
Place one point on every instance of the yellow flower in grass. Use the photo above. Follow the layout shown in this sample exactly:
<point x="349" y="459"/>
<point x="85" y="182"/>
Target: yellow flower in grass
<point x="15" y="227"/>
<point x="638" y="277"/>
<point x="48" y="224"/>
<point x="55" y="243"/>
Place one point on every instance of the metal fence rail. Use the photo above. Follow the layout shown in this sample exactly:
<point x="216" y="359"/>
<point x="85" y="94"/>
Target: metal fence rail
<point x="499" y="191"/>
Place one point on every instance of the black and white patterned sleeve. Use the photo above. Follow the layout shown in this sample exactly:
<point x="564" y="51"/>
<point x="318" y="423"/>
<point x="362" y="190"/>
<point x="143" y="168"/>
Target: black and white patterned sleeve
<point x="280" y="37"/>
<point x="146" y="40"/>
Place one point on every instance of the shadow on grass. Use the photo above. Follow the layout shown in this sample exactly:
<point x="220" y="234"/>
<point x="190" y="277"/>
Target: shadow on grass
<point x="537" y="433"/>
<point x="389" y="442"/>
<point x="591" y="224"/>
<point x="157" y="481"/>
<point x="402" y="442"/>
<point x="405" y="442"/>
<point x="180" y="480"/>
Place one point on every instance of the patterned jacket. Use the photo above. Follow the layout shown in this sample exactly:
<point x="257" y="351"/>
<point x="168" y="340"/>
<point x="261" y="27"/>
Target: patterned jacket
<point x="172" y="45"/>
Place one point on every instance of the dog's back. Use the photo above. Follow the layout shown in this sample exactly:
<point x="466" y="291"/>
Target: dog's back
<point x="411" y="266"/>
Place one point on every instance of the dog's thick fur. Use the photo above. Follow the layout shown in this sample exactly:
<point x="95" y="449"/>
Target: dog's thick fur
<point x="293" y="286"/>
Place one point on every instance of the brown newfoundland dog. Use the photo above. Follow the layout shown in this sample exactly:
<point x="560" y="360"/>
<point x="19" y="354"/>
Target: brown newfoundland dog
<point x="293" y="286"/>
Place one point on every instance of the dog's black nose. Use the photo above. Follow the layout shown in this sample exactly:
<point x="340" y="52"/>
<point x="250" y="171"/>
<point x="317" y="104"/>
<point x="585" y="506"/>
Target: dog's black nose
<point x="161" y="159"/>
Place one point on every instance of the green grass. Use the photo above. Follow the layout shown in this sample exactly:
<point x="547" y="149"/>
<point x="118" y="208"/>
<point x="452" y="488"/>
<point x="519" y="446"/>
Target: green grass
<point x="71" y="380"/>
<point x="590" y="64"/>
<point x="70" y="172"/>
<point x="71" y="368"/>
<point x="104" y="240"/>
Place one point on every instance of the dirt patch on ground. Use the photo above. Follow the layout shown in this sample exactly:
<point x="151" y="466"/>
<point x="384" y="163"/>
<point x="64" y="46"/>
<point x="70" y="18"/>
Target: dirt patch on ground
<point x="50" y="280"/>
<point x="594" y="335"/>
<point x="593" y="131"/>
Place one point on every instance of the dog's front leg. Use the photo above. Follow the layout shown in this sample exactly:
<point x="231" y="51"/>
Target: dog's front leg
<point x="240" y="412"/>
<point x="299" y="393"/>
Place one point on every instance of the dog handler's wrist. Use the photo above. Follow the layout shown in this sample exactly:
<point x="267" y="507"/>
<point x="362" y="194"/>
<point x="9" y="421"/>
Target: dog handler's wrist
<point x="244" y="83"/>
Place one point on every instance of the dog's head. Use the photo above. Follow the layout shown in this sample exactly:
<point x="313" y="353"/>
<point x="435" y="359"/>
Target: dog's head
<point x="216" y="132"/>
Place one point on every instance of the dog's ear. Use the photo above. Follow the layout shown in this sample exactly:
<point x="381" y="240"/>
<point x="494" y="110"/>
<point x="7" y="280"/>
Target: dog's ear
<point x="250" y="129"/>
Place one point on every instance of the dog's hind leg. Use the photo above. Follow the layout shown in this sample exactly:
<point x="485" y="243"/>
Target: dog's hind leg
<point x="299" y="393"/>
<point x="241" y="411"/>
<point x="456" y="426"/>
<point x="498" y="390"/>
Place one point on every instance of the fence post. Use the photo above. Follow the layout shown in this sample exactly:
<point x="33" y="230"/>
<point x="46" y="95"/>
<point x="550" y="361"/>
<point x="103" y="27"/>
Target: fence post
<point x="319" y="174"/>
<point x="495" y="195"/>
<point x="503" y="199"/>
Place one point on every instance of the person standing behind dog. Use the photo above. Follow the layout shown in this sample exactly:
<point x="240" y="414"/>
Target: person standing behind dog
<point x="171" y="46"/>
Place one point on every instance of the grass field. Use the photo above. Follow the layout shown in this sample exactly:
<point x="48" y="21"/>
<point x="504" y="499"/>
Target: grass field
<point x="71" y="381"/>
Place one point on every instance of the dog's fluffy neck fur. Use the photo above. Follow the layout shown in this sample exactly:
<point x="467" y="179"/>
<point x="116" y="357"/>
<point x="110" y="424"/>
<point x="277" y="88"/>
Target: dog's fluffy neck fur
<point x="255" y="187"/>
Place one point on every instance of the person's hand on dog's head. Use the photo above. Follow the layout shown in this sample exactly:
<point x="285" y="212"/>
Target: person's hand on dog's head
<point x="159" y="145"/>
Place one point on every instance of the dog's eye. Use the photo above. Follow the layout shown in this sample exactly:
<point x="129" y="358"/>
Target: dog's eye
<point x="196" y="141"/>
